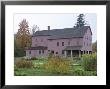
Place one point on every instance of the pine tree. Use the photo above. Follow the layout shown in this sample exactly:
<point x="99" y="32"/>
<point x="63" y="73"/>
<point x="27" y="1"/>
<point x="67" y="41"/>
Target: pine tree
<point x="80" y="21"/>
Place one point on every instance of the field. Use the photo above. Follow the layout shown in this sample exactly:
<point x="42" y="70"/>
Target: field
<point x="38" y="69"/>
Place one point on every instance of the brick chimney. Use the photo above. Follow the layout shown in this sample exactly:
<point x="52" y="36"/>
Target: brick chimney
<point x="48" y="27"/>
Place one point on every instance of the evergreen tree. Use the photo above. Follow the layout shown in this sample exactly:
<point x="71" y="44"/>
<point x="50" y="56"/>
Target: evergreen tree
<point x="80" y="21"/>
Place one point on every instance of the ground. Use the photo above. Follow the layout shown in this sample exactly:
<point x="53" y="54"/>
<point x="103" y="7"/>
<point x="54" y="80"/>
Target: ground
<point x="38" y="70"/>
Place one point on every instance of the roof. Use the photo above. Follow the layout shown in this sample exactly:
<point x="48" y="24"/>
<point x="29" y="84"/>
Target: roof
<point x="73" y="48"/>
<point x="63" y="33"/>
<point x="37" y="48"/>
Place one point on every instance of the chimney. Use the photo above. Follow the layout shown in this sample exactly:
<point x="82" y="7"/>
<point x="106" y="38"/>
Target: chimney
<point x="48" y="27"/>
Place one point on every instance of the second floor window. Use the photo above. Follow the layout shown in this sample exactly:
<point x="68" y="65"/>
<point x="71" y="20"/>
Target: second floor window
<point x="69" y="43"/>
<point x="77" y="42"/>
<point x="62" y="43"/>
<point x="57" y="43"/>
<point x="41" y="40"/>
<point x="84" y="43"/>
<point x="89" y="44"/>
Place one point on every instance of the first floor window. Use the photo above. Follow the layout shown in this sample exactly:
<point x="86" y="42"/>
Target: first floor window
<point x="39" y="51"/>
<point x="30" y="52"/>
<point x="56" y="52"/>
<point x="52" y="52"/>
<point x="62" y="51"/>
<point x="43" y="51"/>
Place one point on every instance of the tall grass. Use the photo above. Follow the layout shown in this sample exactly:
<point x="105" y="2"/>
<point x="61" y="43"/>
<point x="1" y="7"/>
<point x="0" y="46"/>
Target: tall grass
<point x="90" y="62"/>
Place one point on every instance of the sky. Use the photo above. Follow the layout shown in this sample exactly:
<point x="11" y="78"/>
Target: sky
<point x="56" y="21"/>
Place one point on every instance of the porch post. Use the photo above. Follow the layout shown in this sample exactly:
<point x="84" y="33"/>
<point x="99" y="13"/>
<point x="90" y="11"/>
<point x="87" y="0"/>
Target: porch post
<point x="71" y="53"/>
<point x="79" y="53"/>
<point x="65" y="53"/>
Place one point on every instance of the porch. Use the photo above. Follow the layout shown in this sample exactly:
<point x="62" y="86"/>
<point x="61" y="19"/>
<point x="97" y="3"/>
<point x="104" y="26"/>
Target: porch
<point x="73" y="51"/>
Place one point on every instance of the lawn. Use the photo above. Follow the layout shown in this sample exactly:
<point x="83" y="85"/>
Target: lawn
<point x="38" y="69"/>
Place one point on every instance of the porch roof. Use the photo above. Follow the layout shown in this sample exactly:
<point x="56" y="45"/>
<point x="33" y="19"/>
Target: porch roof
<point x="73" y="48"/>
<point x="37" y="48"/>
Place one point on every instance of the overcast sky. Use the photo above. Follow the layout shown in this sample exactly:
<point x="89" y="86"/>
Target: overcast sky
<point x="56" y="21"/>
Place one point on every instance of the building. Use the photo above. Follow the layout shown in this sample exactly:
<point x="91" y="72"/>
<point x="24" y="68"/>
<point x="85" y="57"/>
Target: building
<point x="63" y="42"/>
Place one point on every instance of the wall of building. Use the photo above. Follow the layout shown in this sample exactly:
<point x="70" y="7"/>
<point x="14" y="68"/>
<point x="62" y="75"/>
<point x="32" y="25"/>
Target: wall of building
<point x="39" y="41"/>
<point x="52" y="44"/>
<point x="35" y="53"/>
<point x="87" y="41"/>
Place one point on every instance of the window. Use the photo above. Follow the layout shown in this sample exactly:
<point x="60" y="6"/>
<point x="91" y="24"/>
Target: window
<point x="52" y="52"/>
<point x="57" y="43"/>
<point x="43" y="51"/>
<point x="35" y="44"/>
<point x="87" y="37"/>
<point x="56" y="52"/>
<point x="69" y="43"/>
<point x="39" y="51"/>
<point x="77" y="42"/>
<point x="84" y="43"/>
<point x="84" y="51"/>
<point x="50" y="40"/>
<point x="41" y="40"/>
<point x="62" y="43"/>
<point x="62" y="51"/>
<point x="29" y="52"/>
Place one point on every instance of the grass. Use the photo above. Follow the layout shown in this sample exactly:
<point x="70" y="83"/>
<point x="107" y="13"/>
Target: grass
<point x="38" y="70"/>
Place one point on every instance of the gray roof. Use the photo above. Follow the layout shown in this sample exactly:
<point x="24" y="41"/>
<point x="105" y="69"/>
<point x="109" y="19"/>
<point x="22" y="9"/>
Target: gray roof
<point x="63" y="33"/>
<point x="73" y="48"/>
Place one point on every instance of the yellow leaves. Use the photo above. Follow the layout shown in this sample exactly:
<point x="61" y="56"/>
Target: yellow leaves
<point x="58" y="65"/>
<point x="23" y="37"/>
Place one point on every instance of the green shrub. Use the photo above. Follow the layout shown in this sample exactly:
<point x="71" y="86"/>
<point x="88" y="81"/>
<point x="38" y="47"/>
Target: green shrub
<point x="79" y="72"/>
<point x="76" y="58"/>
<point x="89" y="62"/>
<point x="33" y="58"/>
<point x="38" y="66"/>
<point x="23" y="63"/>
<point x="58" y="65"/>
<point x="20" y="74"/>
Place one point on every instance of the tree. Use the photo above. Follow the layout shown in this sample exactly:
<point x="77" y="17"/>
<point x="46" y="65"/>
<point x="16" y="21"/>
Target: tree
<point x="18" y="51"/>
<point x="23" y="37"/>
<point x="80" y="21"/>
<point x="94" y="47"/>
<point x="34" y="28"/>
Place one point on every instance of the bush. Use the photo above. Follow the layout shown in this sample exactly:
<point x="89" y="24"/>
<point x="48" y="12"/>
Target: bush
<point x="58" y="65"/>
<point x="20" y="74"/>
<point x="23" y="63"/>
<point x="89" y="62"/>
<point x="79" y="72"/>
<point x="76" y="58"/>
<point x="33" y="58"/>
